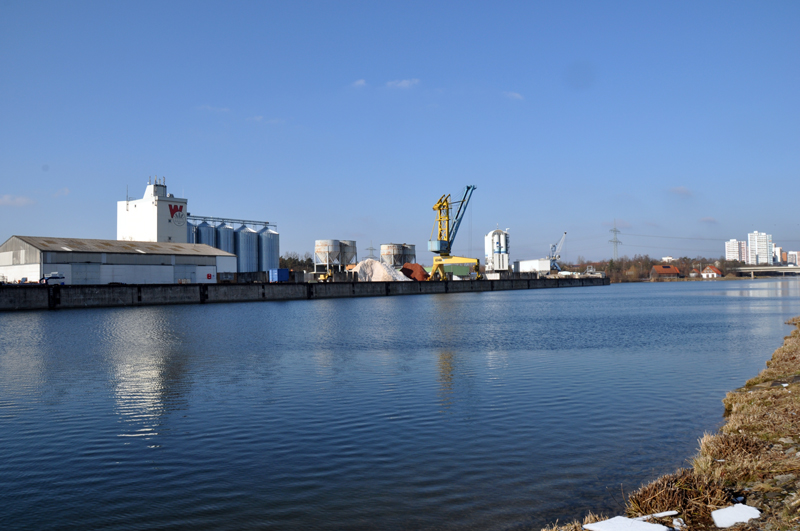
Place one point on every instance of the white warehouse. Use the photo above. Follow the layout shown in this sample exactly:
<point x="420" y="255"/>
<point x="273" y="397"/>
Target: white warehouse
<point x="85" y="261"/>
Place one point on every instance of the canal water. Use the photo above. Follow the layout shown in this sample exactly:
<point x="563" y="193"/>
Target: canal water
<point x="500" y="410"/>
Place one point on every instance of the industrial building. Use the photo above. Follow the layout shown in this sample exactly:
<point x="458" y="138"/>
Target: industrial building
<point x="85" y="261"/>
<point x="161" y="217"/>
<point x="158" y="242"/>
<point x="496" y="245"/>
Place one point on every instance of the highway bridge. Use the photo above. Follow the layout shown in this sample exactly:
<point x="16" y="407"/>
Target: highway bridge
<point x="769" y="270"/>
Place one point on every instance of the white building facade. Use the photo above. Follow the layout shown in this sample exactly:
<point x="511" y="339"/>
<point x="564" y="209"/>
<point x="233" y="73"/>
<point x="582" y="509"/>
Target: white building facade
<point x="156" y="217"/>
<point x="496" y="245"/>
<point x="759" y="248"/>
<point x="736" y="250"/>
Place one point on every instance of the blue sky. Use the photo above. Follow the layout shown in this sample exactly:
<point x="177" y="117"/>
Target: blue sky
<point x="348" y="120"/>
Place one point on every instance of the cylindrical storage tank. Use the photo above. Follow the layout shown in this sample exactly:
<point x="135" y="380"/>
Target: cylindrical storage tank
<point x="269" y="252"/>
<point x="206" y="234"/>
<point x="347" y="252"/>
<point x="191" y="232"/>
<point x="225" y="238"/>
<point x="245" y="243"/>
<point x="392" y="254"/>
<point x="326" y="252"/>
<point x="409" y="253"/>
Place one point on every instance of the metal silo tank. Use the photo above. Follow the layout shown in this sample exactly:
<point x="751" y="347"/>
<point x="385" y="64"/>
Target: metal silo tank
<point x="326" y="252"/>
<point x="409" y="253"/>
<point x="191" y="229"/>
<point x="206" y="234"/>
<point x="245" y="243"/>
<point x="224" y="233"/>
<point x="347" y="252"/>
<point x="268" y="249"/>
<point x="392" y="254"/>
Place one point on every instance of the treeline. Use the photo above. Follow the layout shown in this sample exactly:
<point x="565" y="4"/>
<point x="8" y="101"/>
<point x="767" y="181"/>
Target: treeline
<point x="638" y="268"/>
<point x="295" y="262"/>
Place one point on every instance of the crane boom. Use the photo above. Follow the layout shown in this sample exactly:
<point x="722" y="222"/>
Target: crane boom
<point x="446" y="227"/>
<point x="555" y="253"/>
<point x="445" y="230"/>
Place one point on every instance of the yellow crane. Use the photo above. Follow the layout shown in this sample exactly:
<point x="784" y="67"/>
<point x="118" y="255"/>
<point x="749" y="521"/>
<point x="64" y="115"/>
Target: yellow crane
<point x="445" y="230"/>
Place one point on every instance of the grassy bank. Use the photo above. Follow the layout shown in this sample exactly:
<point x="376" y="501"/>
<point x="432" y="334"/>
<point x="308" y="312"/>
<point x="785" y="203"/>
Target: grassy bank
<point x="754" y="459"/>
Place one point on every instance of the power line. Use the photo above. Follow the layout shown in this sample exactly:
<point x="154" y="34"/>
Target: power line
<point x="615" y="241"/>
<point x="675" y="237"/>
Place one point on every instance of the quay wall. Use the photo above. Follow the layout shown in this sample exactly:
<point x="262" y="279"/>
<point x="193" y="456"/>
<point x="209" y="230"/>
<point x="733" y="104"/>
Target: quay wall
<point x="42" y="297"/>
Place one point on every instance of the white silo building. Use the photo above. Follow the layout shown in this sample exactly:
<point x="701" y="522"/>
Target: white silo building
<point x="496" y="245"/>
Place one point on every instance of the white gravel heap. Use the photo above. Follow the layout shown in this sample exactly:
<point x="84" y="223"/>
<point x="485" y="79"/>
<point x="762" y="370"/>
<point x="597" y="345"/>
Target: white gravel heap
<point x="371" y="270"/>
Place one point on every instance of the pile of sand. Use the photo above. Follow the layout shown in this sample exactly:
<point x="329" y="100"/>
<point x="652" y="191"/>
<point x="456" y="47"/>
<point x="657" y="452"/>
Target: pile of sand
<point x="415" y="272"/>
<point x="371" y="270"/>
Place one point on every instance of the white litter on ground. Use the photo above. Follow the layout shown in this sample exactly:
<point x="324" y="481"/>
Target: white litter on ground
<point x="657" y="515"/>
<point x="620" y="523"/>
<point x="736" y="514"/>
<point x="370" y="270"/>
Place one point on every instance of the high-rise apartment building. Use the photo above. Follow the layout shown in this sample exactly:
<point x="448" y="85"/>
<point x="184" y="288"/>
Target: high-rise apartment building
<point x="777" y="255"/>
<point x="759" y="248"/>
<point x="736" y="250"/>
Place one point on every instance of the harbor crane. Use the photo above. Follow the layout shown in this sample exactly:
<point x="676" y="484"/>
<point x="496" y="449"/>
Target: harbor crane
<point x="444" y="231"/>
<point x="555" y="253"/>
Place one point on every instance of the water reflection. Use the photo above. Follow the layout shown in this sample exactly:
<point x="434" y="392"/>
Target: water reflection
<point x="765" y="288"/>
<point x="446" y="377"/>
<point x="148" y="366"/>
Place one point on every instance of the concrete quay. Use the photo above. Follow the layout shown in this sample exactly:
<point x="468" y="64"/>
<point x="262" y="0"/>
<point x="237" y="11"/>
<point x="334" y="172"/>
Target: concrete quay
<point x="42" y="297"/>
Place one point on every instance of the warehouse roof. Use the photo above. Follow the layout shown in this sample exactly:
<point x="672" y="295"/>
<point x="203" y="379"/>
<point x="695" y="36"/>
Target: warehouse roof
<point x="84" y="245"/>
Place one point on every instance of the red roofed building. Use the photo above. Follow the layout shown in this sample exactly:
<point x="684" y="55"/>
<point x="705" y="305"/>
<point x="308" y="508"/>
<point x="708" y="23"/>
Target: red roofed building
<point x="711" y="272"/>
<point x="664" y="271"/>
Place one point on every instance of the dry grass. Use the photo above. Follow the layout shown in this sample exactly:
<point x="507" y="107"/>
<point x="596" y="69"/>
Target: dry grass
<point x="576" y="525"/>
<point x="756" y="455"/>
<point x="694" y="496"/>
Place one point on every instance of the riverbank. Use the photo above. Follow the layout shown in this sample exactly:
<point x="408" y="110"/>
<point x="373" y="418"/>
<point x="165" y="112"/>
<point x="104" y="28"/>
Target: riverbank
<point x="754" y="459"/>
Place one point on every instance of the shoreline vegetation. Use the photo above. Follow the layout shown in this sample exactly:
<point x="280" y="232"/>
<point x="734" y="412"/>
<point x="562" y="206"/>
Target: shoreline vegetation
<point x="754" y="459"/>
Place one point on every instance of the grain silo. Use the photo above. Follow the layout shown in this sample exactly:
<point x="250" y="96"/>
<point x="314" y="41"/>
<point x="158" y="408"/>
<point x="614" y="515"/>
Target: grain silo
<point x="206" y="234"/>
<point x="225" y="238"/>
<point x="191" y="229"/>
<point x="245" y="243"/>
<point x="268" y="249"/>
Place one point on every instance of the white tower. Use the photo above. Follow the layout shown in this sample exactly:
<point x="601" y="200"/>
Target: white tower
<point x="157" y="217"/>
<point x="496" y="244"/>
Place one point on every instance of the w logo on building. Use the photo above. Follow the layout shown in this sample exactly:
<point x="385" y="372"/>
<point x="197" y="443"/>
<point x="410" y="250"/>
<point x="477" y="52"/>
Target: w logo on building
<point x="177" y="214"/>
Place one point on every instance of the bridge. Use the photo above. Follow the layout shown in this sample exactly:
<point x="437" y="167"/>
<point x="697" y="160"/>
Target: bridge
<point x="769" y="270"/>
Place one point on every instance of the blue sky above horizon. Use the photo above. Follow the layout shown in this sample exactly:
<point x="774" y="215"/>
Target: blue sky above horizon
<point x="348" y="120"/>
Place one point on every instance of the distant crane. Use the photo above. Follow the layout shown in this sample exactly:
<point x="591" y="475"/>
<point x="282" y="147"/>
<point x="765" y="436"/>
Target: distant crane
<point x="445" y="229"/>
<point x="555" y="253"/>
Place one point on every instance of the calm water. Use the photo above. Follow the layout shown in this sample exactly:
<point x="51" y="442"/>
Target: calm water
<point x="474" y="411"/>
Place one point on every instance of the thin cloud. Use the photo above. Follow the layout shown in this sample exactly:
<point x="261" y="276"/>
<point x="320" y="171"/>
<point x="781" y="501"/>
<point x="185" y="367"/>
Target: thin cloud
<point x="402" y="83"/>
<point x="513" y="96"/>
<point x="255" y="118"/>
<point x="276" y="121"/>
<point x="15" y="200"/>
<point x="213" y="109"/>
<point x="709" y="220"/>
<point x="681" y="191"/>
<point x="359" y="83"/>
<point x="63" y="191"/>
